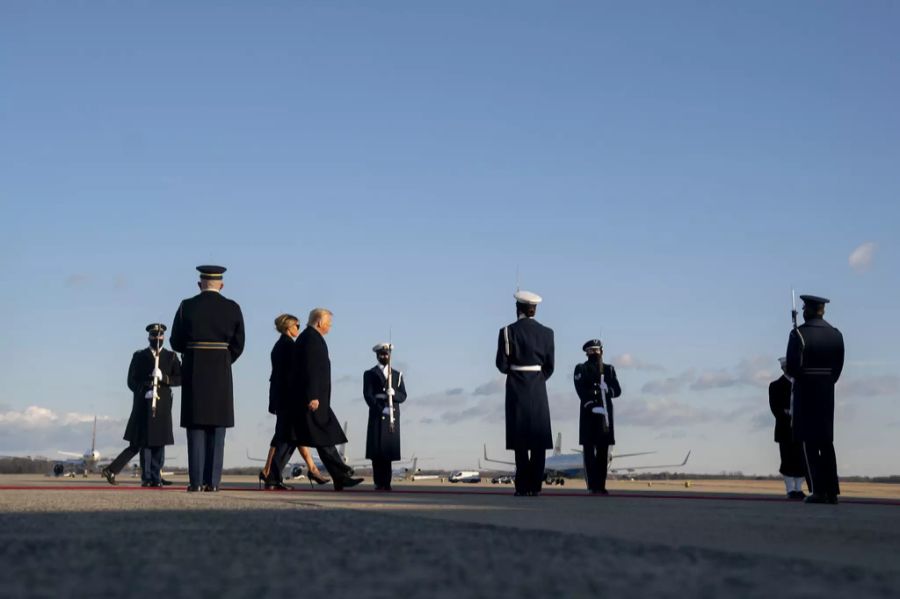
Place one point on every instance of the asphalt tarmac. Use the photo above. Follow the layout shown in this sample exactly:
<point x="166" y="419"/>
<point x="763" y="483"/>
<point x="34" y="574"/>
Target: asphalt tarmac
<point x="86" y="539"/>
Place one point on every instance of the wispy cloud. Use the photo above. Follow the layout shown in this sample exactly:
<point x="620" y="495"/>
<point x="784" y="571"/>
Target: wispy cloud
<point x="758" y="371"/>
<point x="668" y="386"/>
<point x="875" y="386"/>
<point x="862" y="258"/>
<point x="491" y="387"/>
<point x="38" y="428"/>
<point x="665" y="413"/>
<point x="629" y="361"/>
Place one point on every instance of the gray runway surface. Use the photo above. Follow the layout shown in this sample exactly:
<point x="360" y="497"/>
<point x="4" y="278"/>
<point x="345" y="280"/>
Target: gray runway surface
<point x="111" y="542"/>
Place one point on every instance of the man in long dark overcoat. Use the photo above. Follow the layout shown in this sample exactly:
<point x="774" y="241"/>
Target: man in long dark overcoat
<point x="815" y="359"/>
<point x="525" y="354"/>
<point x="314" y="422"/>
<point x="148" y="432"/>
<point x="383" y="439"/>
<point x="208" y="330"/>
<point x="596" y="389"/>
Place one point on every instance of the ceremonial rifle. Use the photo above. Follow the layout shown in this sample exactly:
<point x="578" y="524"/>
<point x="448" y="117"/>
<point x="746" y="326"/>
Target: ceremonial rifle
<point x="603" y="397"/>
<point x="390" y="383"/>
<point x="155" y="380"/>
<point x="794" y="320"/>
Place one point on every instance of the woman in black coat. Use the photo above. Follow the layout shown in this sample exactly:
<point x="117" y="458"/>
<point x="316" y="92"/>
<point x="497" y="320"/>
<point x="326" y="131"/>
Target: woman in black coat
<point x="282" y="445"/>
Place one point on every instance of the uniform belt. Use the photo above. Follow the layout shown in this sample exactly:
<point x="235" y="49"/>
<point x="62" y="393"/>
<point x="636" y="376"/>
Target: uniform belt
<point x="207" y="345"/>
<point x="817" y="371"/>
<point x="532" y="368"/>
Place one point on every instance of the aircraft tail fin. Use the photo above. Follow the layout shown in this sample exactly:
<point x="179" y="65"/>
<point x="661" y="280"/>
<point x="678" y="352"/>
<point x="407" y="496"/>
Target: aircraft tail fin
<point x="557" y="449"/>
<point x="94" y="436"/>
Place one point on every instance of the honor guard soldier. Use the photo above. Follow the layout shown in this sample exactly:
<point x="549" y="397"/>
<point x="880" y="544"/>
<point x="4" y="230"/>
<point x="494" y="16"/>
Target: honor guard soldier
<point x="793" y="464"/>
<point x="153" y="370"/>
<point x="525" y="354"/>
<point x="384" y="390"/>
<point x="313" y="421"/>
<point x="815" y="359"/>
<point x="208" y="330"/>
<point x="596" y="384"/>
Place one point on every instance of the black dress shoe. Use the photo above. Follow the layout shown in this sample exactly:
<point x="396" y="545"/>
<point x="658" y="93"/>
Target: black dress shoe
<point x="600" y="492"/>
<point x="278" y="486"/>
<point x="346" y="483"/>
<point x="165" y="483"/>
<point x="832" y="499"/>
<point x="519" y="494"/>
<point x="210" y="489"/>
<point x="817" y="498"/>
<point x="109" y="475"/>
<point x="193" y="489"/>
<point x="145" y="484"/>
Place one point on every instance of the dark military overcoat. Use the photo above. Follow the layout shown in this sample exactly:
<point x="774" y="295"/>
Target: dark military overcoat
<point x="381" y="442"/>
<point x="815" y="366"/>
<point x="208" y="330"/>
<point x="311" y="379"/>
<point x="529" y="344"/>
<point x="780" y="405"/>
<point x="587" y="381"/>
<point x="143" y="429"/>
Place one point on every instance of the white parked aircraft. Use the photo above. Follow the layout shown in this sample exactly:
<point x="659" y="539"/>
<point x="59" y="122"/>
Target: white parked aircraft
<point x="86" y="462"/>
<point x="560" y="466"/>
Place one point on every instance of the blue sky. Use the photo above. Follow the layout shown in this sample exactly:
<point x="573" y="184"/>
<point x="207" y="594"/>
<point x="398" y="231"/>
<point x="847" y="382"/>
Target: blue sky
<point x="661" y="173"/>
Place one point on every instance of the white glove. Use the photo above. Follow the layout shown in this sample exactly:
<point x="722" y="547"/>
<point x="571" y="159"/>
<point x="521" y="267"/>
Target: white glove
<point x="604" y="387"/>
<point x="156" y="374"/>
<point x="391" y="392"/>
<point x="148" y="394"/>
<point x="386" y="411"/>
<point x="598" y="410"/>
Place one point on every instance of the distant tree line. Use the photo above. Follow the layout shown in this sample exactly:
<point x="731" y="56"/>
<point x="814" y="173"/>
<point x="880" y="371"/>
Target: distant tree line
<point x="12" y="465"/>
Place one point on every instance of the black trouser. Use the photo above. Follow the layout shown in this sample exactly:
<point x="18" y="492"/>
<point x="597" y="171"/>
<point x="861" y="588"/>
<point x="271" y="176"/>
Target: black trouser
<point x="335" y="465"/>
<point x="283" y="453"/>
<point x="381" y="473"/>
<point x="152" y="460"/>
<point x="596" y="459"/>
<point x="123" y="458"/>
<point x="530" y="470"/>
<point x="821" y="463"/>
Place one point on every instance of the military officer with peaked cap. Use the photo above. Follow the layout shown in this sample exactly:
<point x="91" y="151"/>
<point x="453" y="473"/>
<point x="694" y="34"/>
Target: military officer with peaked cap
<point x="208" y="330"/>
<point x="525" y="354"/>
<point x="148" y="432"/>
<point x="596" y="384"/>
<point x="383" y="443"/>
<point x="815" y="358"/>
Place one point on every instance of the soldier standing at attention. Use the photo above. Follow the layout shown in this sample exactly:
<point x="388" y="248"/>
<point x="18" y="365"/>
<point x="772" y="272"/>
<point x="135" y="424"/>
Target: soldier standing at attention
<point x="793" y="464"/>
<point x="525" y="354"/>
<point x="208" y="330"/>
<point x="815" y="358"/>
<point x="596" y="384"/>
<point x="146" y="432"/>
<point x="383" y="440"/>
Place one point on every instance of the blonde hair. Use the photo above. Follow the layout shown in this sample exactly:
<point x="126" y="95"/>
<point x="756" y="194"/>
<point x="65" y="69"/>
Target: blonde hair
<point x="316" y="315"/>
<point x="283" y="322"/>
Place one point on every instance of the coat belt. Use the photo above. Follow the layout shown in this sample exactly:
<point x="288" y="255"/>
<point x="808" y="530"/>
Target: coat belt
<point x="207" y="345"/>
<point x="531" y="368"/>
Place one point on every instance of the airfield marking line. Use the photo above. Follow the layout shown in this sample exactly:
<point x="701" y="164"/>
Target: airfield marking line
<point x="627" y="495"/>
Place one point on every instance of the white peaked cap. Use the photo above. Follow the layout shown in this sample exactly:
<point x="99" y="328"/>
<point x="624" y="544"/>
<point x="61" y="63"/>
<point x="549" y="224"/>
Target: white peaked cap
<point x="527" y="297"/>
<point x="383" y="346"/>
